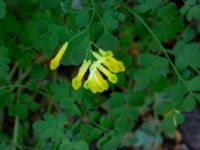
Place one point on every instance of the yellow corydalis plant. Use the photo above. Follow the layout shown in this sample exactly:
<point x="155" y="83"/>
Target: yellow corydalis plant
<point x="105" y="64"/>
<point x="55" y="62"/>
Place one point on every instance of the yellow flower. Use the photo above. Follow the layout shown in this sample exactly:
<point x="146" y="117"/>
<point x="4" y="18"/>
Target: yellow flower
<point x="109" y="61"/>
<point x="77" y="81"/>
<point x="111" y="77"/>
<point x="55" y="62"/>
<point x="95" y="82"/>
<point x="105" y="64"/>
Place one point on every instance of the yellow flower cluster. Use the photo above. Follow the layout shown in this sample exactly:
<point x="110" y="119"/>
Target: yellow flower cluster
<point x="105" y="64"/>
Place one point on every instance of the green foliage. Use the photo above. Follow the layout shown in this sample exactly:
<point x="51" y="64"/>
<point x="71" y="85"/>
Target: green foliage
<point x="2" y="9"/>
<point x="51" y="128"/>
<point x="157" y="41"/>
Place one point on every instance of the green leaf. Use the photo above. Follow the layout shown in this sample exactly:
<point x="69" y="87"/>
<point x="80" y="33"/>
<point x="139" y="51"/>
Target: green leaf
<point x="88" y="133"/>
<point x="194" y="83"/>
<point x="163" y="107"/>
<point x="77" y="51"/>
<point x="121" y="78"/>
<point x="59" y="90"/>
<point x="81" y="145"/>
<point x="5" y="98"/>
<point x="110" y="22"/>
<point x="38" y="72"/>
<point x="20" y="110"/>
<point x="116" y="100"/>
<point x="153" y="66"/>
<point x="169" y="123"/>
<point x="194" y="13"/>
<point x="66" y="6"/>
<point x="131" y="112"/>
<point x="34" y="106"/>
<point x="123" y="124"/>
<point x="142" y="8"/>
<point x="65" y="145"/>
<point x="137" y="98"/>
<point x="52" y="127"/>
<point x="108" y="41"/>
<point x="104" y="139"/>
<point x="189" y="56"/>
<point x="146" y="5"/>
<point x="162" y="84"/>
<point x="82" y="19"/>
<point x="4" y="146"/>
<point x="175" y="93"/>
<point x="2" y="9"/>
<point x="166" y="30"/>
<point x="106" y="122"/>
<point x="49" y="4"/>
<point x="109" y="3"/>
<point x="112" y="144"/>
<point x="68" y="104"/>
<point x="121" y="17"/>
<point x="188" y="104"/>
<point x="54" y="40"/>
<point x="4" y="60"/>
<point x="168" y="11"/>
<point x="96" y="30"/>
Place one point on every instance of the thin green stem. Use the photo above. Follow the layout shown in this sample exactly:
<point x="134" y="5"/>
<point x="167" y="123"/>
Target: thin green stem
<point x="15" y="134"/>
<point x="92" y="17"/>
<point x="98" y="15"/>
<point x="21" y="78"/>
<point x="12" y="72"/>
<point x="196" y="70"/>
<point x="162" y="48"/>
<point x="12" y="86"/>
<point x="102" y="128"/>
<point x="95" y="45"/>
<point x="172" y="53"/>
<point x="70" y="131"/>
<point x="75" y="36"/>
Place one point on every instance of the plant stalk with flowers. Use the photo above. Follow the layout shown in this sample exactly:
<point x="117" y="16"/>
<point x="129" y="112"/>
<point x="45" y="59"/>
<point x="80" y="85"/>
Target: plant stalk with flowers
<point x="105" y="64"/>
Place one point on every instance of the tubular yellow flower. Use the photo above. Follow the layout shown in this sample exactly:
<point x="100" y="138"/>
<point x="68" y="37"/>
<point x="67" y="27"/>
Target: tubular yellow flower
<point x="111" y="77"/>
<point x="109" y="65"/>
<point x="109" y="61"/>
<point x="117" y="63"/>
<point x="95" y="82"/>
<point x="55" y="62"/>
<point x="77" y="81"/>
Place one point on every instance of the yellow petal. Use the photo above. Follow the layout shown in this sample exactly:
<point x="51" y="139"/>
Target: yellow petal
<point x="117" y="63"/>
<point x="97" y="56"/>
<point x="95" y="81"/>
<point x="55" y="62"/>
<point x="105" y="53"/>
<point x="113" y="65"/>
<point x="77" y="81"/>
<point x="103" y="83"/>
<point x="110" y="66"/>
<point x="90" y="77"/>
<point x="111" y="77"/>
